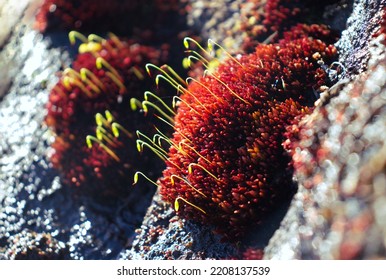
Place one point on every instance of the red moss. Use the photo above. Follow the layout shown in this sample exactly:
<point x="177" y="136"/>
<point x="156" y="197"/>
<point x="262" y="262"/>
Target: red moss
<point x="91" y="15"/>
<point x="274" y="17"/>
<point x="253" y="254"/>
<point x="71" y="116"/>
<point x="237" y="133"/>
<point x="80" y="15"/>
<point x="65" y="105"/>
<point x="277" y="12"/>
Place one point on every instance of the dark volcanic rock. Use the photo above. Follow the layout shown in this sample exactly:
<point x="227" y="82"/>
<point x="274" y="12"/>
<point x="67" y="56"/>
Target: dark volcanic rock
<point x="164" y="236"/>
<point x="29" y="245"/>
<point x="354" y="42"/>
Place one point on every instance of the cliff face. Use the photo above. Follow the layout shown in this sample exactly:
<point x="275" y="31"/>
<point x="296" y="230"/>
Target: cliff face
<point x="338" y="152"/>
